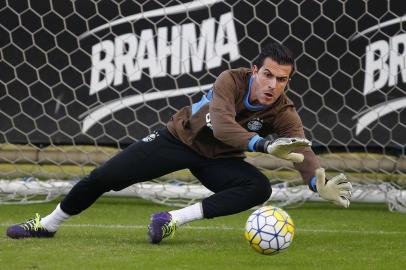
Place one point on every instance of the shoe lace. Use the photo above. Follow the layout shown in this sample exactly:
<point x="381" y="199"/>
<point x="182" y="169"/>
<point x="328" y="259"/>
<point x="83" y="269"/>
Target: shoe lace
<point x="169" y="229"/>
<point x="33" y="224"/>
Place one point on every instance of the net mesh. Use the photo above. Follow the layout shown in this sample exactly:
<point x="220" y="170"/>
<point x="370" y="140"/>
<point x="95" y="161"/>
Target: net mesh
<point x="80" y="80"/>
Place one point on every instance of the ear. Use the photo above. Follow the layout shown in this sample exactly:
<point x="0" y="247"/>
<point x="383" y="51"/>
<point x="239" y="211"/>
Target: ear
<point x="254" y="69"/>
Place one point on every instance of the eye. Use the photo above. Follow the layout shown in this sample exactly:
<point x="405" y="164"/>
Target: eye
<point x="282" y="79"/>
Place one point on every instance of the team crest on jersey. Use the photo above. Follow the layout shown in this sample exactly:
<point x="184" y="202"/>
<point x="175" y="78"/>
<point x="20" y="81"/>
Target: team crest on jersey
<point x="208" y="121"/>
<point x="151" y="137"/>
<point x="255" y="124"/>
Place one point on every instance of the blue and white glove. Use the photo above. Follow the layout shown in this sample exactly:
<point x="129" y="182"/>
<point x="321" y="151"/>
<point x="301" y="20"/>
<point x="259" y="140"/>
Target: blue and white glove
<point x="283" y="147"/>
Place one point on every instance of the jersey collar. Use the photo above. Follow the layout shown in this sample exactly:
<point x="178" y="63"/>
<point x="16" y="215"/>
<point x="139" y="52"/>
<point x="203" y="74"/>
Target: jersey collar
<point x="247" y="103"/>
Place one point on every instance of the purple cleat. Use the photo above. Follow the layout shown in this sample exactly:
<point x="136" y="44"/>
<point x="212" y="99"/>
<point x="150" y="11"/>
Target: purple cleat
<point x="31" y="228"/>
<point x="162" y="225"/>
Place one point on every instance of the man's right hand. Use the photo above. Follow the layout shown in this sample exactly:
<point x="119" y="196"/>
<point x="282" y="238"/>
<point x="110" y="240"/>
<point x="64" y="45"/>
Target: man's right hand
<point x="283" y="147"/>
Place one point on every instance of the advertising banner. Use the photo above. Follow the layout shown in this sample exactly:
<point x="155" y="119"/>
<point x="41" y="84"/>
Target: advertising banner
<point x="106" y="73"/>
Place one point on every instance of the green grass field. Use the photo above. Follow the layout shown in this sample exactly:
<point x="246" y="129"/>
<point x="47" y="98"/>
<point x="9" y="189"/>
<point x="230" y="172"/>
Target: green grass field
<point x="112" y="235"/>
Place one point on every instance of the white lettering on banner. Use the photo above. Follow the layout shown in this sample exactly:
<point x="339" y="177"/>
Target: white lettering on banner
<point x="387" y="59"/>
<point x="385" y="65"/>
<point x="128" y="57"/>
<point x="102" y="66"/>
<point x="124" y="59"/>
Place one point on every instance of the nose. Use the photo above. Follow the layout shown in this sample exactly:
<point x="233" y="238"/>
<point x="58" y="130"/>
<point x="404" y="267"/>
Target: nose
<point x="272" y="82"/>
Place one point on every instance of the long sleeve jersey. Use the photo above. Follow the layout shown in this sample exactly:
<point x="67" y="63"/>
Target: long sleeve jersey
<point x="224" y="123"/>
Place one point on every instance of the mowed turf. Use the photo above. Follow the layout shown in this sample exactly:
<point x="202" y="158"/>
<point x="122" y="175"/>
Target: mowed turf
<point x="112" y="235"/>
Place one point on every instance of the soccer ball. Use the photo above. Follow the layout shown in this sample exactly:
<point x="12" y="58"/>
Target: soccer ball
<point x="269" y="230"/>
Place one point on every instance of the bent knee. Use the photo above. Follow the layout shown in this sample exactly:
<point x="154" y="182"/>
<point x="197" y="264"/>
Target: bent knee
<point x="262" y="190"/>
<point x="266" y="192"/>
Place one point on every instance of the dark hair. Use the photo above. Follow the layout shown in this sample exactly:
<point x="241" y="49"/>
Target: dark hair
<point x="277" y="52"/>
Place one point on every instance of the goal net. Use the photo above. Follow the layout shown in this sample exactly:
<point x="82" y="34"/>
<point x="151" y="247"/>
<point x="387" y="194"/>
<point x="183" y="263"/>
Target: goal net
<point x="81" y="80"/>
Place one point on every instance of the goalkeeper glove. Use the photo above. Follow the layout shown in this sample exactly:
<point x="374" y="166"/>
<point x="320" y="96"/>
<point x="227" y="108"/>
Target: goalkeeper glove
<point x="283" y="147"/>
<point x="337" y="189"/>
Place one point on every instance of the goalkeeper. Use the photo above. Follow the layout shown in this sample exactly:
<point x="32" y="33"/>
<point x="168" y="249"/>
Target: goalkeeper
<point x="210" y="138"/>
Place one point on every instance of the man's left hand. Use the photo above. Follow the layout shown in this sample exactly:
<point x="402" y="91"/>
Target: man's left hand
<point x="337" y="189"/>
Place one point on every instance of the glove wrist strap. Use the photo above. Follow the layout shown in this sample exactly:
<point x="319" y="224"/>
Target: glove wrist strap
<point x="312" y="184"/>
<point x="262" y="145"/>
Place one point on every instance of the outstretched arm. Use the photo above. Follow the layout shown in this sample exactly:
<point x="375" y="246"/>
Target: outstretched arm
<point x="337" y="189"/>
